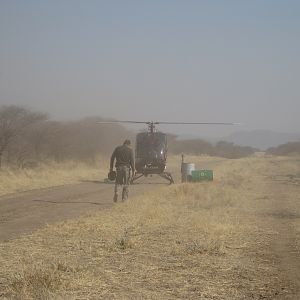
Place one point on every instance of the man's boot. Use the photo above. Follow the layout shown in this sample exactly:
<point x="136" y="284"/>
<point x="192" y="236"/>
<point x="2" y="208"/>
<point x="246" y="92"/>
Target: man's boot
<point x="115" y="197"/>
<point x="125" y="193"/>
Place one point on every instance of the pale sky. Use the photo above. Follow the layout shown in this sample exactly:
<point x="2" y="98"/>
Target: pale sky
<point x="218" y="61"/>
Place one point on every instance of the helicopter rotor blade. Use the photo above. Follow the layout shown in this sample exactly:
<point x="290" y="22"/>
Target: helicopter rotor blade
<point x="162" y="122"/>
<point x="117" y="121"/>
<point x="198" y="123"/>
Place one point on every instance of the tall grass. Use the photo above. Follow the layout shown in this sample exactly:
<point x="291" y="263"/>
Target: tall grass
<point x="50" y="174"/>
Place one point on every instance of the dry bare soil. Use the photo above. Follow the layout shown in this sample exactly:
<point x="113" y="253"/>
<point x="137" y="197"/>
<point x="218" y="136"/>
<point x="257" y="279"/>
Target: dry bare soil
<point x="237" y="237"/>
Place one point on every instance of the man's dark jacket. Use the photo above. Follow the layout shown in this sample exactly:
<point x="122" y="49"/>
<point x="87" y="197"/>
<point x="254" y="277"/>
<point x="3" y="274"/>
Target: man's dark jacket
<point x="124" y="157"/>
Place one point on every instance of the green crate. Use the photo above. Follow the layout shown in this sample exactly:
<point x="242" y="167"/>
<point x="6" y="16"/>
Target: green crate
<point x="202" y="175"/>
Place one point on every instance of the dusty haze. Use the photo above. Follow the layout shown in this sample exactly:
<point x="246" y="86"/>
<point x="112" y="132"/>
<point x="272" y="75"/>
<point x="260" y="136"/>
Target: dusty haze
<point x="175" y="61"/>
<point x="66" y="65"/>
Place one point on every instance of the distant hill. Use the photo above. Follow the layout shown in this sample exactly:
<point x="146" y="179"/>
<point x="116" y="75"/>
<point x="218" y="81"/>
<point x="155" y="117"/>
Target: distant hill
<point x="262" y="139"/>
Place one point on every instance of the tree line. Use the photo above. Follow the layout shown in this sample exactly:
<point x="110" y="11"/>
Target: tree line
<point x="28" y="137"/>
<point x="202" y="147"/>
<point x="291" y="148"/>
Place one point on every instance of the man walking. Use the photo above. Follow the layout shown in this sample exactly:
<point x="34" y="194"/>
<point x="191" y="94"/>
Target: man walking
<point x="124" y="161"/>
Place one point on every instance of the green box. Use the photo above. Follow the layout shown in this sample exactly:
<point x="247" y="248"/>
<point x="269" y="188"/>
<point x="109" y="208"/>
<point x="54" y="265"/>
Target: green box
<point x="202" y="175"/>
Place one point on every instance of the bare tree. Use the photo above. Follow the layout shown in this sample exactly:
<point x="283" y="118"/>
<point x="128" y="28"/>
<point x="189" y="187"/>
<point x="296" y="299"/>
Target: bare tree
<point x="13" y="121"/>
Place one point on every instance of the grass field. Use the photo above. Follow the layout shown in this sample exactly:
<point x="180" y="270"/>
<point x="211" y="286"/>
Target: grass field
<point x="48" y="175"/>
<point x="210" y="240"/>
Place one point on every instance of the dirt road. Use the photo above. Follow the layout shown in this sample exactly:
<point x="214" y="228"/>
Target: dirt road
<point x="279" y="218"/>
<point x="24" y="212"/>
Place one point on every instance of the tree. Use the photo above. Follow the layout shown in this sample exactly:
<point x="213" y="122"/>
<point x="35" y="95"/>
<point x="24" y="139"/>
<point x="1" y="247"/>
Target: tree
<point x="13" y="121"/>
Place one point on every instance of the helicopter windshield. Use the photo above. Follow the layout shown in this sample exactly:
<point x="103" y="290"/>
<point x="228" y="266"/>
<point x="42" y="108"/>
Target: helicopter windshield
<point x="149" y="142"/>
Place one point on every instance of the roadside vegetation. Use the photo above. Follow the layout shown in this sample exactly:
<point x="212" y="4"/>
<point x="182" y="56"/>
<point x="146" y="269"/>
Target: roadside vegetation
<point x="49" y="174"/>
<point x="186" y="241"/>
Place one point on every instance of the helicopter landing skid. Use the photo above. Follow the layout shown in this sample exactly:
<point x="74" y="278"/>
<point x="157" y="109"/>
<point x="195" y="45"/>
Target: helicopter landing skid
<point x="135" y="177"/>
<point x="165" y="175"/>
<point x="168" y="176"/>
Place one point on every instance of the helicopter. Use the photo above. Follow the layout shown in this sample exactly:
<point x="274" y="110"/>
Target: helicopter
<point x="151" y="148"/>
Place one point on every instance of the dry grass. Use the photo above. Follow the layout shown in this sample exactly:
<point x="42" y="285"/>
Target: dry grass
<point x="38" y="281"/>
<point x="49" y="174"/>
<point x="186" y="241"/>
